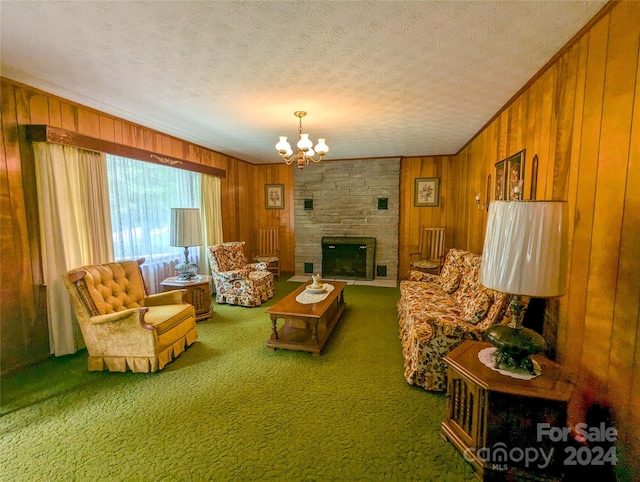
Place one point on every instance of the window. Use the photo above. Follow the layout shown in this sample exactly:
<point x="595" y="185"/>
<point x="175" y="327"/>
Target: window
<point x="141" y="195"/>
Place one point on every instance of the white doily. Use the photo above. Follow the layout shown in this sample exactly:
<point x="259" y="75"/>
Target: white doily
<point x="308" y="298"/>
<point x="486" y="357"/>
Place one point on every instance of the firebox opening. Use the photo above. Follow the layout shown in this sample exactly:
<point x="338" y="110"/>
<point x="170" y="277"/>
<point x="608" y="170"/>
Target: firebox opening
<point x="348" y="257"/>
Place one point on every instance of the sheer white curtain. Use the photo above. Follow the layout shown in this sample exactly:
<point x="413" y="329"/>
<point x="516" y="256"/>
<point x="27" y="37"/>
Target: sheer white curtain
<point x="211" y="217"/>
<point x="141" y="196"/>
<point x="75" y="229"/>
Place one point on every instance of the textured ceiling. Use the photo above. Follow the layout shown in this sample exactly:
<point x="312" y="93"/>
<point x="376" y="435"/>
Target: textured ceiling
<point x="376" y="78"/>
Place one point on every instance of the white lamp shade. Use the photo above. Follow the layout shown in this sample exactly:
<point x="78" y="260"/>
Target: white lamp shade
<point x="525" y="248"/>
<point x="283" y="146"/>
<point x="186" y="229"/>
<point x="305" y="143"/>
<point x="321" y="147"/>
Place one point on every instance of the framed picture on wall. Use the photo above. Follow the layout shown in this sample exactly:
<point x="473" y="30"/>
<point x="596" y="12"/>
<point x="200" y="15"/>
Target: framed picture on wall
<point x="499" y="191"/>
<point x="274" y="196"/>
<point x="427" y="192"/>
<point x="515" y="175"/>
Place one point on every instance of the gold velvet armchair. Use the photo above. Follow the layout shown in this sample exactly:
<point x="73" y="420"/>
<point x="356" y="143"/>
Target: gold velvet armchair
<point x="122" y="325"/>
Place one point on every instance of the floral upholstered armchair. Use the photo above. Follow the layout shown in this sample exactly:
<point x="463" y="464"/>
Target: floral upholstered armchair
<point x="125" y="328"/>
<point x="238" y="282"/>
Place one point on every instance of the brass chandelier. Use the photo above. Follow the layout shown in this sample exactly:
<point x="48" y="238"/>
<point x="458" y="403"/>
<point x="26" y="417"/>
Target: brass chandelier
<point x="306" y="152"/>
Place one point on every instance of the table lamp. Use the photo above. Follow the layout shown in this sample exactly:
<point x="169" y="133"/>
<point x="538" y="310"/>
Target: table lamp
<point x="525" y="254"/>
<point x="186" y="230"/>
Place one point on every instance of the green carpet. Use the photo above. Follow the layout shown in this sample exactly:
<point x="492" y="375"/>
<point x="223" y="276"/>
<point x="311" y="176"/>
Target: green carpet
<point x="230" y="409"/>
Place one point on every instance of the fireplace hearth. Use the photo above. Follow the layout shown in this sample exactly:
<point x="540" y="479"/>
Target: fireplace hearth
<point x="348" y="257"/>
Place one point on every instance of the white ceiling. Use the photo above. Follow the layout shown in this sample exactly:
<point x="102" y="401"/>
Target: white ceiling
<point x="376" y="78"/>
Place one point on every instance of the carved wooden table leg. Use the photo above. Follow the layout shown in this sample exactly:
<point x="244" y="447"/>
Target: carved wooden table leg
<point x="274" y="327"/>
<point x="314" y="330"/>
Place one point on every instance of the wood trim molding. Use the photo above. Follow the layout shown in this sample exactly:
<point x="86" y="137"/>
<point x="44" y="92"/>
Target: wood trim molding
<point x="56" y="135"/>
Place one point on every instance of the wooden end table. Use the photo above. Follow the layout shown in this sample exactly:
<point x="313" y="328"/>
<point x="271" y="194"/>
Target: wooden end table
<point x="487" y="411"/>
<point x="198" y="293"/>
<point x="307" y="327"/>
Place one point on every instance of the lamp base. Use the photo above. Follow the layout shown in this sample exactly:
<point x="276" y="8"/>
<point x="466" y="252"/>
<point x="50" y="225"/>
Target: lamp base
<point x="514" y="346"/>
<point x="188" y="271"/>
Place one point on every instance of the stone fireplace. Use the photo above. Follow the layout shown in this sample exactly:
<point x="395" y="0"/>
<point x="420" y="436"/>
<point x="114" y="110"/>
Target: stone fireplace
<point x="348" y="199"/>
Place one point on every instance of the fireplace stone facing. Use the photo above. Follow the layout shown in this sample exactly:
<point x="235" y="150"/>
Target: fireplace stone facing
<point x="345" y="204"/>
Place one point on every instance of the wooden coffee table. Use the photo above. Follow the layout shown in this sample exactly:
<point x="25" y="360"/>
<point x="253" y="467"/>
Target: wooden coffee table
<point x="307" y="327"/>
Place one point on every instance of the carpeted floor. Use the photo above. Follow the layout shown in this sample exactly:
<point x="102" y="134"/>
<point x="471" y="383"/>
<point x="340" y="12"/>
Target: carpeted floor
<point x="230" y="409"/>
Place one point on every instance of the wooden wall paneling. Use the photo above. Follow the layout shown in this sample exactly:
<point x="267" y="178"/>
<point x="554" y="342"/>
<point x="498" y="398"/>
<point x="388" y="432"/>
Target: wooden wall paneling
<point x="533" y="139"/>
<point x="247" y="211"/>
<point x="117" y="132"/>
<point x="239" y="215"/>
<point x="138" y="139"/>
<point x="460" y="235"/>
<point x="565" y="98"/>
<point x="177" y="148"/>
<point x="466" y="201"/>
<point x="627" y="306"/>
<point x="55" y="112"/>
<point x="22" y="106"/>
<point x="12" y="333"/>
<point x="563" y="330"/>
<point x="38" y="108"/>
<point x="18" y="204"/>
<point x="503" y="133"/>
<point x="546" y="106"/>
<point x="128" y="137"/>
<point x="481" y="215"/>
<point x="557" y="179"/>
<point x="165" y="145"/>
<point x="37" y="333"/>
<point x="475" y="219"/>
<point x="88" y="122"/>
<point x="447" y="211"/>
<point x="157" y="141"/>
<point x="24" y="331"/>
<point x="229" y="201"/>
<point x="519" y="142"/>
<point x="403" y="228"/>
<point x="426" y="215"/>
<point x="148" y="143"/>
<point x="261" y="175"/>
<point x="578" y="328"/>
<point x="618" y="114"/>
<point x="410" y="169"/>
<point x="282" y="218"/>
<point x="455" y="228"/>
<point x="516" y="132"/>
<point x="68" y="116"/>
<point x="597" y="331"/>
<point x="552" y="130"/>
<point x="107" y="128"/>
<point x="290" y="261"/>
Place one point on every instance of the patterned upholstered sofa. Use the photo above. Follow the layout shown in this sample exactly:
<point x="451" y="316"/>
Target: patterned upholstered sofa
<point x="238" y="282"/>
<point x="438" y="312"/>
